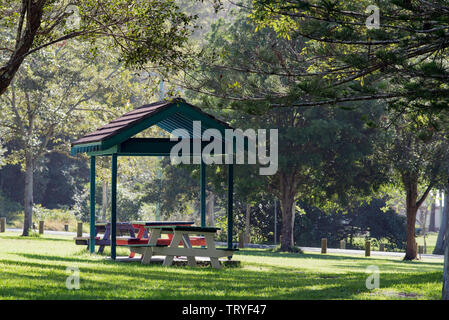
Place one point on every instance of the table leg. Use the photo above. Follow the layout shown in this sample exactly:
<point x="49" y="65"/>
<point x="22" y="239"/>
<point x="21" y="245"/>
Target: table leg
<point x="146" y="256"/>
<point x="210" y="243"/>
<point x="191" y="261"/>
<point x="105" y="237"/>
<point x="177" y="237"/>
<point x="139" y="236"/>
<point x="131" y="230"/>
<point x="148" y="253"/>
<point x="141" y="232"/>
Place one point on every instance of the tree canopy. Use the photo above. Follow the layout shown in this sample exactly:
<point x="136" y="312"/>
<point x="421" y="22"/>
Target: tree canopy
<point x="150" y="31"/>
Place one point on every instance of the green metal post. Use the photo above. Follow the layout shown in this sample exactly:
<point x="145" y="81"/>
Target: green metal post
<point x="230" y="203"/>
<point x="203" y="193"/>
<point x="92" y="205"/>
<point x="114" y="206"/>
<point x="158" y="204"/>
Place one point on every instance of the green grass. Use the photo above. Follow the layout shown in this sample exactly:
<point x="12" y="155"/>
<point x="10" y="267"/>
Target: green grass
<point x="35" y="268"/>
<point x="54" y="219"/>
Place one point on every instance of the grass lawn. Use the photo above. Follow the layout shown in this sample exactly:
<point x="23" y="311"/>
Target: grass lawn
<point x="35" y="268"/>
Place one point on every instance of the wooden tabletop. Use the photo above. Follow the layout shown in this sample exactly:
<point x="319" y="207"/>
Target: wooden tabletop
<point x="162" y="223"/>
<point x="185" y="228"/>
<point x="103" y="224"/>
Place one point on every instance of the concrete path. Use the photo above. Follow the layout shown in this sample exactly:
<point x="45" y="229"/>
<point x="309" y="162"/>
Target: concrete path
<point x="373" y="253"/>
<point x="344" y="251"/>
<point x="305" y="249"/>
<point x="57" y="233"/>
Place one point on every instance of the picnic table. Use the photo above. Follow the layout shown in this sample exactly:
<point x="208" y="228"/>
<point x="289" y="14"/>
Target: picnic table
<point x="126" y="232"/>
<point x="181" y="235"/>
<point x="142" y="235"/>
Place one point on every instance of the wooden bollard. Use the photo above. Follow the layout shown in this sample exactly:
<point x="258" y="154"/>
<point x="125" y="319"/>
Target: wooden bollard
<point x="367" y="248"/>
<point x="2" y="224"/>
<point x="66" y="227"/>
<point x="324" y="245"/>
<point x="241" y="240"/>
<point x="41" y="227"/>
<point x="420" y="249"/>
<point x="79" y="229"/>
<point x="381" y="247"/>
<point x="342" y="244"/>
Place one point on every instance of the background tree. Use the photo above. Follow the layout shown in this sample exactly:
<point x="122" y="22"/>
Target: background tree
<point x="433" y="206"/>
<point x="372" y="219"/>
<point x="54" y="94"/>
<point x="316" y="145"/>
<point x="144" y="31"/>
<point x="441" y="239"/>
<point x="402" y="59"/>
<point x="418" y="157"/>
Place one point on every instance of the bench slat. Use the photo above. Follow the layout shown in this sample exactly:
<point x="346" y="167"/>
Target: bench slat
<point x="186" y="228"/>
<point x="144" y="245"/>
<point x="161" y="223"/>
<point x="194" y="252"/>
<point x="84" y="238"/>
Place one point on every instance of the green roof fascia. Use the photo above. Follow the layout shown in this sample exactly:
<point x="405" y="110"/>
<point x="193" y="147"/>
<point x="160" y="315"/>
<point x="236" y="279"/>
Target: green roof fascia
<point x="106" y="152"/>
<point x="87" y="147"/>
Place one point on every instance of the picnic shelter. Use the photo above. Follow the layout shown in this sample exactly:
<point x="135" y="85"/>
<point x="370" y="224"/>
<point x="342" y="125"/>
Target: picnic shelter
<point x="117" y="139"/>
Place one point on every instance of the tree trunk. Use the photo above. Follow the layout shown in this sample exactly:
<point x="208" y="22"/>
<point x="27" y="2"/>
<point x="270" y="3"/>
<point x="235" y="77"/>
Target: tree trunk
<point x="287" y="194"/>
<point x="293" y="222"/>
<point x="446" y="262"/>
<point x="446" y="274"/>
<point x="28" y="196"/>
<point x="432" y="215"/>
<point x="424" y="230"/>
<point x="287" y="226"/>
<point x="210" y="209"/>
<point x="439" y="246"/>
<point x="247" y="222"/>
<point x="411" y="250"/>
<point x="411" y="186"/>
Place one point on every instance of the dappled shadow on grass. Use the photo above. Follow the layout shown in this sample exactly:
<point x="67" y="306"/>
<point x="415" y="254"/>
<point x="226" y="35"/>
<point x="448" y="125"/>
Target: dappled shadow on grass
<point x="187" y="285"/>
<point x="358" y="264"/>
<point x="106" y="279"/>
<point x="59" y="258"/>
